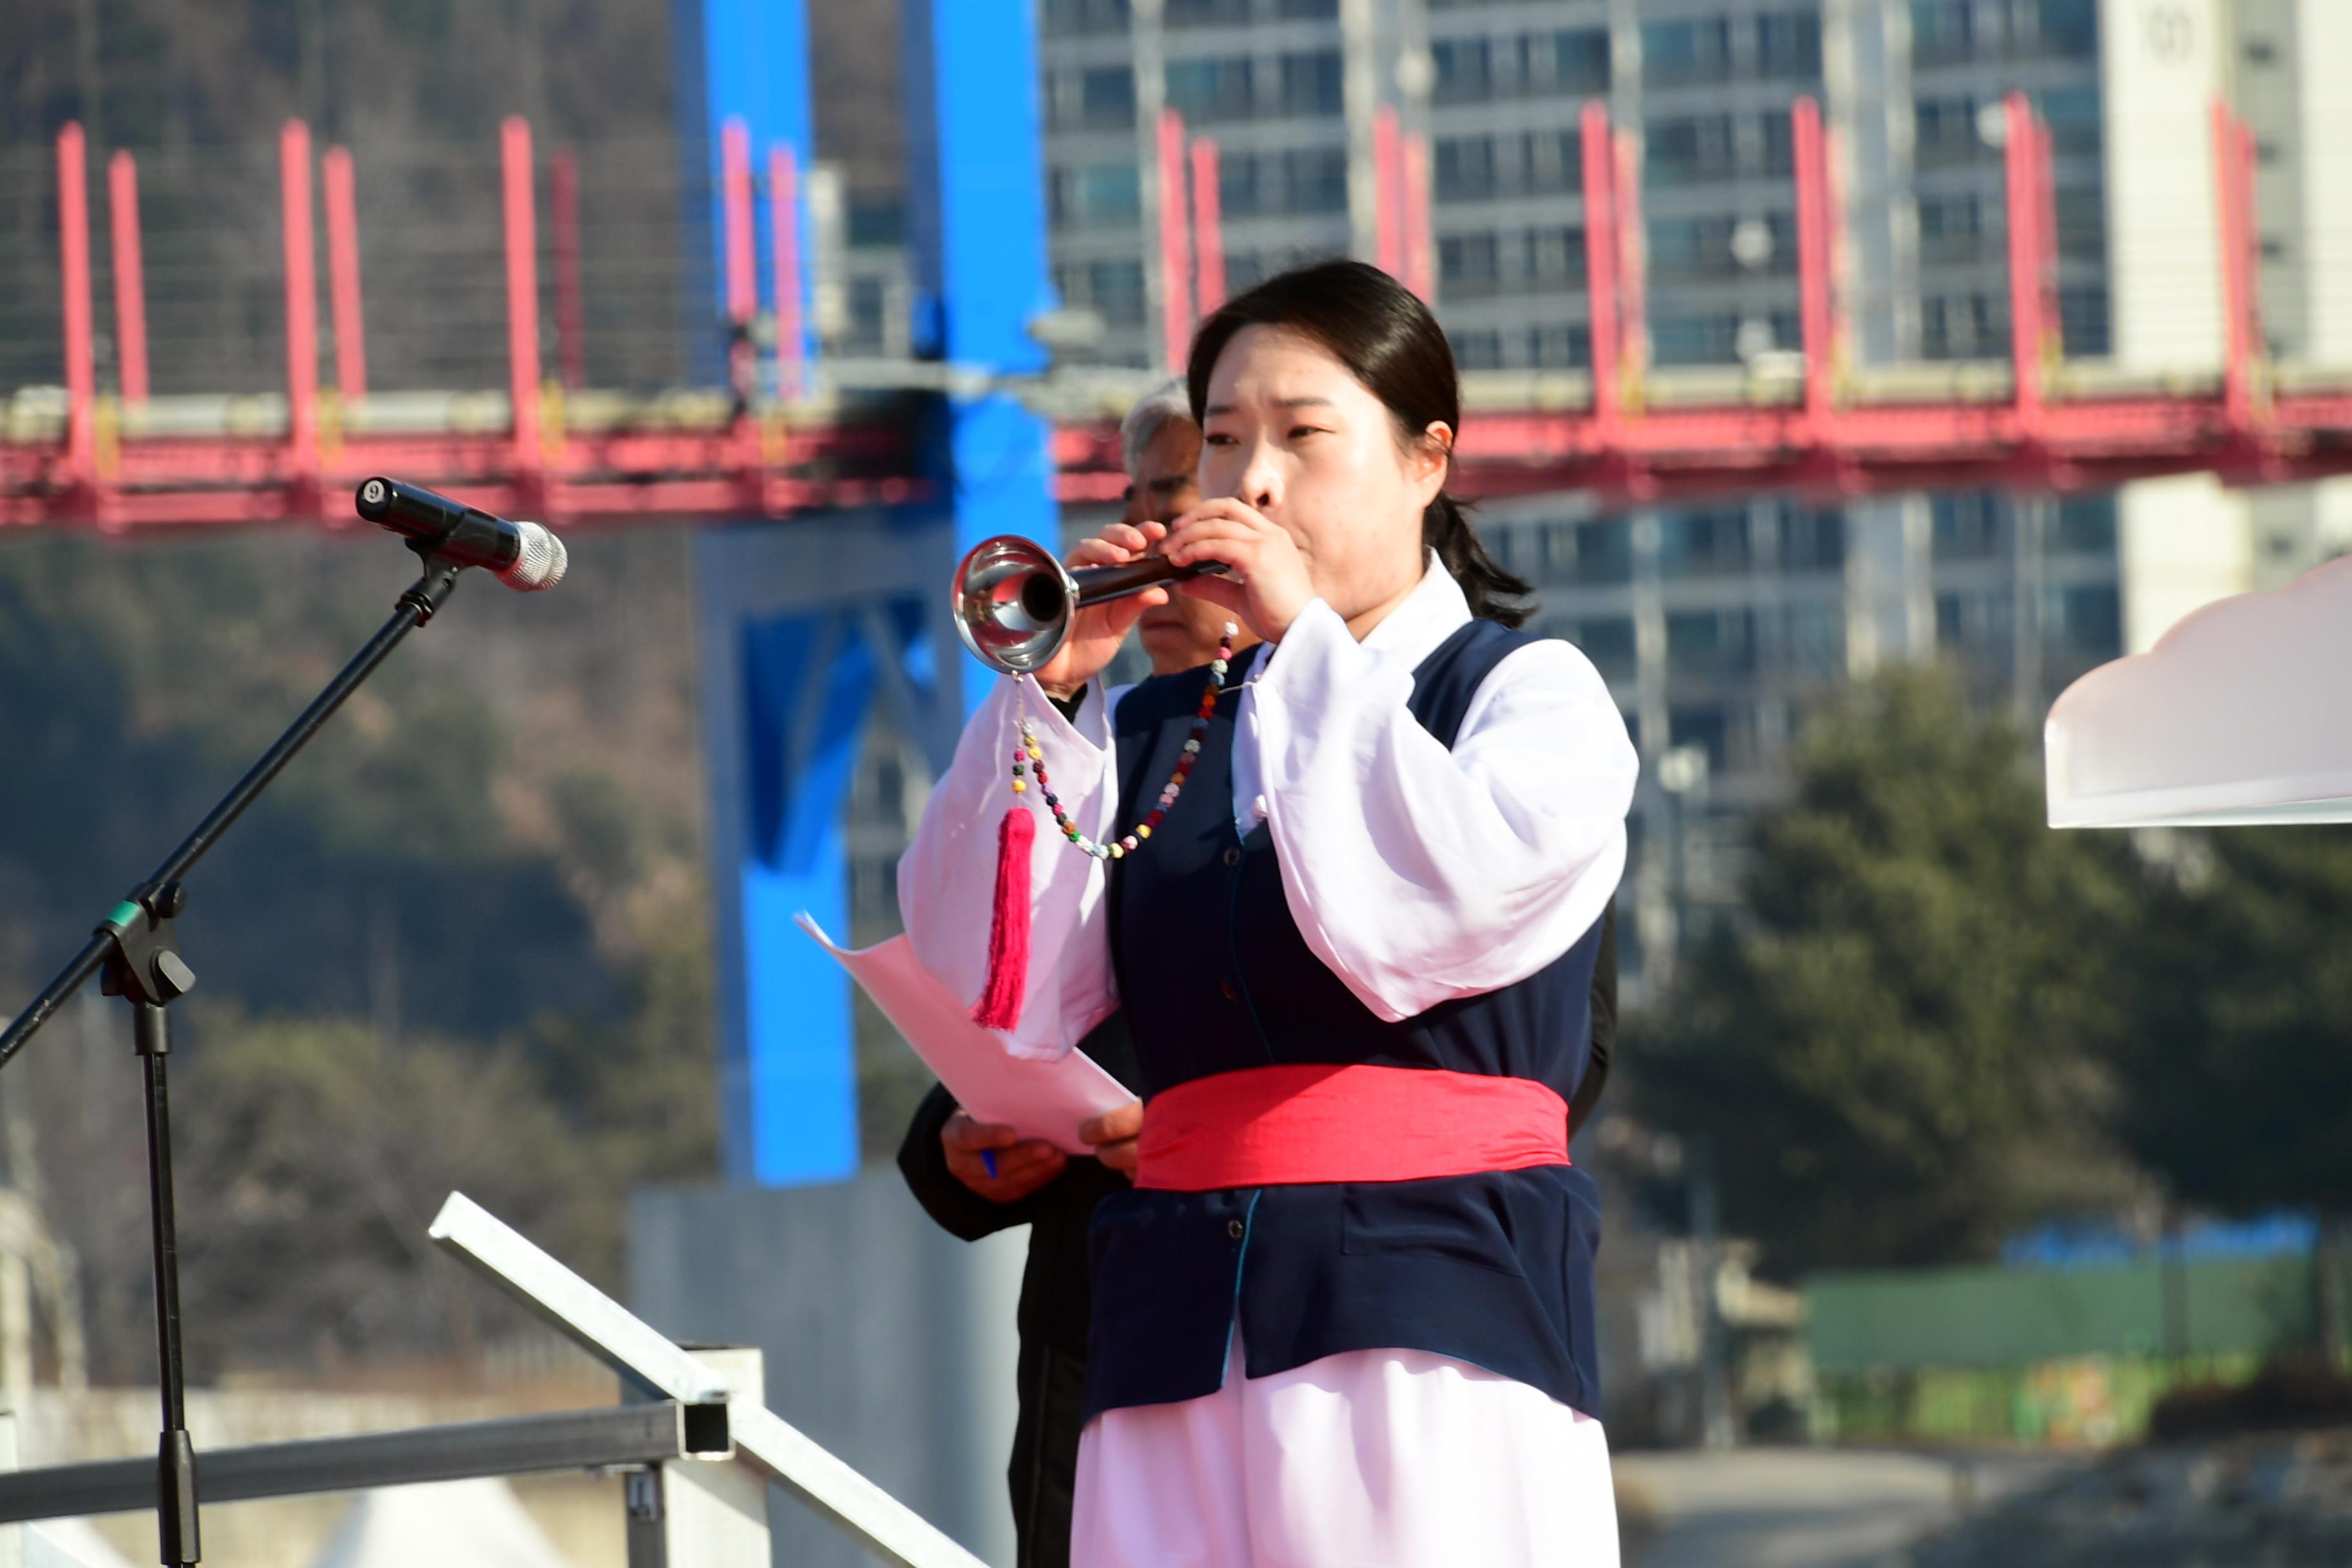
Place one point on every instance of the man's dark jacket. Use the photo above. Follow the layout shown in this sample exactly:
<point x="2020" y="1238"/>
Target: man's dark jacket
<point x="1055" y="1297"/>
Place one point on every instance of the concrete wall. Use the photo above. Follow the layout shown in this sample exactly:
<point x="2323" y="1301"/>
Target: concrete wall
<point x="886" y="1340"/>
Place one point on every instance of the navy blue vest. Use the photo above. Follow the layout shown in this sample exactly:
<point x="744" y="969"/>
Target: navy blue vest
<point x="1494" y="1269"/>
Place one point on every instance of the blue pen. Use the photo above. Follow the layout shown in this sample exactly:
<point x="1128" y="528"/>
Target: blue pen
<point x="987" y="1158"/>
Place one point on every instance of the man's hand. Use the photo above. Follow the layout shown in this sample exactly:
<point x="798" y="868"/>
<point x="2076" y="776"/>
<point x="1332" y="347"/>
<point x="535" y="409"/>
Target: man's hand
<point x="1114" y="1134"/>
<point x="1023" y="1165"/>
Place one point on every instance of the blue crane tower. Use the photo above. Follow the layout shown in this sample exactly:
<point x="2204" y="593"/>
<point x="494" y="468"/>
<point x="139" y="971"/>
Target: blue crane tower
<point x="806" y="624"/>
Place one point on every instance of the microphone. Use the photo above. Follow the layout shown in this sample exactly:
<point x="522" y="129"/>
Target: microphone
<point x="522" y="556"/>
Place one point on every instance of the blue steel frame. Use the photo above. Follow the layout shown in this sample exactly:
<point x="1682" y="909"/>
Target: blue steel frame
<point x="804" y="622"/>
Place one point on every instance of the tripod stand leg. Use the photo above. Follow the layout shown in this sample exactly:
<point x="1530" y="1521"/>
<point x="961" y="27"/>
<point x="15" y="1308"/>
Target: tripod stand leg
<point x="175" y="1459"/>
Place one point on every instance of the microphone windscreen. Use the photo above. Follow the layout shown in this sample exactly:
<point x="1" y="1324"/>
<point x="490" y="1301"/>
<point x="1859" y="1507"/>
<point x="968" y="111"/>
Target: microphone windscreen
<point x="542" y="561"/>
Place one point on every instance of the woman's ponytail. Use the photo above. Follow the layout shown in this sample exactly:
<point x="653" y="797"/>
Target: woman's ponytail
<point x="1493" y="594"/>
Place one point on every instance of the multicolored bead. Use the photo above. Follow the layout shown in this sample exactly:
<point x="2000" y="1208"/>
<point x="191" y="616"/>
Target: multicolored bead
<point x="1029" y="758"/>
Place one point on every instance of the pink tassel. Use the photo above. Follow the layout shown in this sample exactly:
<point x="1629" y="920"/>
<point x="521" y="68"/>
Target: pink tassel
<point x="1008" y="924"/>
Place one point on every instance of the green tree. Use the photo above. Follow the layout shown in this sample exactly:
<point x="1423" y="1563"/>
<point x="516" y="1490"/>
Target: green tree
<point x="2238" y="1065"/>
<point x="1892" y="1055"/>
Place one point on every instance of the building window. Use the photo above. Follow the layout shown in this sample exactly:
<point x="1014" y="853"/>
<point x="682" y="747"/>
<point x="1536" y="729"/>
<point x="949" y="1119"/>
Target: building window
<point x="1679" y="53"/>
<point x="2084" y="525"/>
<point x="1812" y="640"/>
<point x="1315" y="180"/>
<point x="2083" y="620"/>
<point x="1466" y="70"/>
<point x="1947" y="131"/>
<point x="1465" y="169"/>
<point x="1979" y="622"/>
<point x="1308" y="10"/>
<point x="1608" y="642"/>
<point x="2084" y="323"/>
<point x="1966" y="526"/>
<point x="1789" y="45"/>
<point x="1096" y="195"/>
<point x="1241" y="191"/>
<point x="1551" y="257"/>
<point x="1689" y="149"/>
<point x="2070" y="27"/>
<point x="1468" y="267"/>
<point x="1478" y="350"/>
<point x="1310" y="83"/>
<point x="1711" y="642"/>
<point x="1559" y="346"/>
<point x="1095" y="99"/>
<point x="1205" y="13"/>
<point x="1691" y="248"/>
<point x="1712" y="339"/>
<point x="1204" y="91"/>
<point x="2083" y="222"/>
<point x="1712" y="543"/>
<point x="1705" y="726"/>
<point x="1964" y="326"/>
<point x="2072" y="113"/>
<point x="1572" y="61"/>
<point x="1812" y="541"/>
<point x="1942" y="30"/>
<point x="1063" y="16"/>
<point x="1551" y="163"/>
<point x="1603" y="553"/>
<point x="1952" y="228"/>
<point x="1779" y="140"/>
<point x="1114" y="289"/>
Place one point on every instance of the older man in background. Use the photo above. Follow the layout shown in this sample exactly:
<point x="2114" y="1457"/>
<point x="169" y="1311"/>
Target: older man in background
<point x="975" y="1178"/>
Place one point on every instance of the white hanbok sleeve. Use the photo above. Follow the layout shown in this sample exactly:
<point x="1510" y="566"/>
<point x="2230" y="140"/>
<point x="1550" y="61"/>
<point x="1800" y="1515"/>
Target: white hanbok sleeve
<point x="1419" y="874"/>
<point x="947" y="879"/>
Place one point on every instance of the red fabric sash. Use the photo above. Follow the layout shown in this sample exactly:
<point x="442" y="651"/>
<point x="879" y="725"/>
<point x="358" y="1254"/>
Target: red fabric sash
<point x="1275" y="1126"/>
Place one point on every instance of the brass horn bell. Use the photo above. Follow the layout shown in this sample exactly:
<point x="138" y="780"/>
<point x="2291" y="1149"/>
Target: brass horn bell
<point x="1015" y="601"/>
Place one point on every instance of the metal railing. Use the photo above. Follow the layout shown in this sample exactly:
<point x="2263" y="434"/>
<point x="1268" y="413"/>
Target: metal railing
<point x="698" y="1444"/>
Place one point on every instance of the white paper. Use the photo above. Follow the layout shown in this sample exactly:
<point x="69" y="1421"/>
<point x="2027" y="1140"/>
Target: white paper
<point x="1046" y="1099"/>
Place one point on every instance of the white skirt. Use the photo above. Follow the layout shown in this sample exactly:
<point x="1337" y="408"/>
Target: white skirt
<point x="1371" y="1459"/>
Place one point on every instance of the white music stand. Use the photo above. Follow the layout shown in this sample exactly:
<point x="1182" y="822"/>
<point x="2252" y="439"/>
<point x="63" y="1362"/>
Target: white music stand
<point x="2240" y="715"/>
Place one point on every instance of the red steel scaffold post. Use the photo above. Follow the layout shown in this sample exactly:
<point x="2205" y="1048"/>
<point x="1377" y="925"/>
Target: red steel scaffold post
<point x="1420" y="249"/>
<point x="1208" y="228"/>
<point x="344" y="274"/>
<point x="82" y="370"/>
<point x="1175" y="273"/>
<point x="1600" y="156"/>
<point x="2025" y="250"/>
<point x="129" y="278"/>
<point x="1632" y="273"/>
<point x="784" y="247"/>
<point x="523" y="302"/>
<point x="571" y="309"/>
<point x="2233" y="170"/>
<point x="301" y="458"/>
<point x="1388" y="192"/>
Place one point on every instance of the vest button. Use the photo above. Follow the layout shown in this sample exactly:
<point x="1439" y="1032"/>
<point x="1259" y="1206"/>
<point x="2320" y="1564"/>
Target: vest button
<point x="1233" y="857"/>
<point x="1234" y="1229"/>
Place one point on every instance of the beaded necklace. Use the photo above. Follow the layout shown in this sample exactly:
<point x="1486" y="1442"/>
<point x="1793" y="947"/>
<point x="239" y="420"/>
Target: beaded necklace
<point x="1030" y="758"/>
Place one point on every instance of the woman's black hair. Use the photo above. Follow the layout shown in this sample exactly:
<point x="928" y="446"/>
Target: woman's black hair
<point x="1389" y="342"/>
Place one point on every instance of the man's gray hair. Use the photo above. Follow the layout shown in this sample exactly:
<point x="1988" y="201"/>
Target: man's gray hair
<point x="1169" y="400"/>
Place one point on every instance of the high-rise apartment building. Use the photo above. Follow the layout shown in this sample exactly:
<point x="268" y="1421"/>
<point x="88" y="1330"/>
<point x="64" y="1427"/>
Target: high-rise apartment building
<point x="1719" y="625"/>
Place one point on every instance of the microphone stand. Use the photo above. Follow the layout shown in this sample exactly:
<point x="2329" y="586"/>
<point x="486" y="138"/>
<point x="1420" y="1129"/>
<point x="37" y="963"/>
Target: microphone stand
<point x="135" y="952"/>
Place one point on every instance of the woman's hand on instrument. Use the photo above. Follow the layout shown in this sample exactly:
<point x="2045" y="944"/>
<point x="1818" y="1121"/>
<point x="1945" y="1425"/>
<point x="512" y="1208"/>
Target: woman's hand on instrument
<point x="1114" y="1134"/>
<point x="1097" y="631"/>
<point x="1268" y="585"/>
<point x="1021" y="1165"/>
